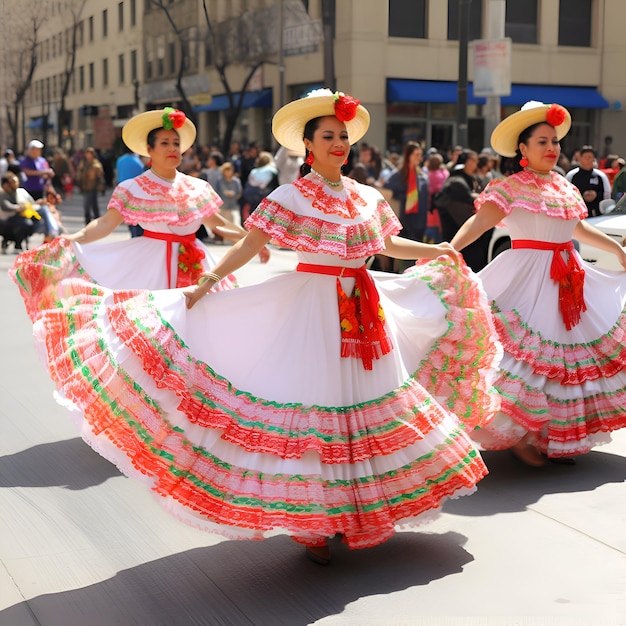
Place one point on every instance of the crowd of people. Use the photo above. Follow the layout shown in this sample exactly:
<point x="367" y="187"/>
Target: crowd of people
<point x="356" y="401"/>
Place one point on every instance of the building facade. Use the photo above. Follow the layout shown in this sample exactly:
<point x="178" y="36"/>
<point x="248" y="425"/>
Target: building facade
<point x="401" y="58"/>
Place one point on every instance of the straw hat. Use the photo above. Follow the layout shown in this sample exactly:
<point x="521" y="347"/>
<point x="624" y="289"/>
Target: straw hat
<point x="505" y="136"/>
<point x="289" y="121"/>
<point x="135" y="131"/>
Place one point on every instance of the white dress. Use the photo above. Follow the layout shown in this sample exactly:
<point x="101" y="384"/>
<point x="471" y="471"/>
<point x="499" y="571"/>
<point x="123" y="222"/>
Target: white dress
<point x="272" y="430"/>
<point x="567" y="387"/>
<point x="174" y="210"/>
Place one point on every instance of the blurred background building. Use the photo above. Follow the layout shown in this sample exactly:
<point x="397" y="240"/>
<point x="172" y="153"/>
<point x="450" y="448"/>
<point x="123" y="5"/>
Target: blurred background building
<point x="76" y="70"/>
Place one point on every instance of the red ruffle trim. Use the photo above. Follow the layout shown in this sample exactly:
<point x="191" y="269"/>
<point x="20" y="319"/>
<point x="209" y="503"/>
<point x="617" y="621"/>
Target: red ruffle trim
<point x="461" y="367"/>
<point x="309" y="234"/>
<point x="569" y="364"/>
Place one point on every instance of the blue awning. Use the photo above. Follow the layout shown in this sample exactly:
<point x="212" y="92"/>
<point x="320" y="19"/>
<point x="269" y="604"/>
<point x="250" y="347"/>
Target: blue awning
<point x="401" y="90"/>
<point x="37" y="122"/>
<point x="251" y="99"/>
<point x="427" y="91"/>
<point x="571" y="97"/>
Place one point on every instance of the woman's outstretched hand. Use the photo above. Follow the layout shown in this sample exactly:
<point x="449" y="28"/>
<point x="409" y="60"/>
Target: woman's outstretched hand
<point x="445" y="249"/>
<point x="264" y="254"/>
<point x="193" y="294"/>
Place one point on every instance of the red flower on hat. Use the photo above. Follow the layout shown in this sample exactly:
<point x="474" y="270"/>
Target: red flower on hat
<point x="345" y="107"/>
<point x="173" y="118"/>
<point x="555" y="115"/>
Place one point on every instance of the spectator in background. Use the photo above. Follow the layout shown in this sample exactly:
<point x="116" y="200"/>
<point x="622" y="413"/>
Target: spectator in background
<point x="7" y="159"/>
<point x="455" y="202"/>
<point x="36" y="169"/>
<point x="63" y="170"/>
<point x="288" y="163"/>
<point x="127" y="166"/>
<point x="262" y="180"/>
<point x="619" y="182"/>
<point x="15" y="226"/>
<point x="90" y="178"/>
<point x="454" y="155"/>
<point x="229" y="190"/>
<point x="212" y="173"/>
<point x="437" y="175"/>
<point x="409" y="186"/>
<point x="592" y="183"/>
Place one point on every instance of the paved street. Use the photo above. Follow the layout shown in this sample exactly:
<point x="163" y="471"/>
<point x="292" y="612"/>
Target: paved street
<point x="81" y="545"/>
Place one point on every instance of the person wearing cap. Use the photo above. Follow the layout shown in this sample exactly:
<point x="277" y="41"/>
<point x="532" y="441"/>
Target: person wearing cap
<point x="562" y="380"/>
<point x="168" y="205"/>
<point x="36" y="169"/>
<point x="7" y="159"/>
<point x="337" y="412"/>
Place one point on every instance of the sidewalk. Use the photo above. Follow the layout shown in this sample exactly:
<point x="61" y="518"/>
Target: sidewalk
<point x="81" y="545"/>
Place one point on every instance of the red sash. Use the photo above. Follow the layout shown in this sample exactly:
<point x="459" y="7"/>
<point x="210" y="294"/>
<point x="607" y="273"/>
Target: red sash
<point x="189" y="257"/>
<point x="361" y="317"/>
<point x="570" y="277"/>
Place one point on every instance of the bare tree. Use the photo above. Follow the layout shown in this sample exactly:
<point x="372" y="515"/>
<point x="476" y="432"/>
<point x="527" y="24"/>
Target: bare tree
<point x="20" y="49"/>
<point x="249" y="40"/>
<point x="71" y="16"/>
<point x="182" y="34"/>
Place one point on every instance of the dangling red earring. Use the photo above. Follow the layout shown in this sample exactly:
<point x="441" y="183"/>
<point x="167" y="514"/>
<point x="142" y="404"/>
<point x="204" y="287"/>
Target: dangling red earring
<point x="523" y="162"/>
<point x="309" y="159"/>
<point x="345" y="162"/>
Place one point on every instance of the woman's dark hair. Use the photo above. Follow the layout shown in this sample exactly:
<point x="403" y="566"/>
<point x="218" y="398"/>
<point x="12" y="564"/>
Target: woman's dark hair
<point x="409" y="147"/>
<point x="523" y="138"/>
<point x="309" y="130"/>
<point x="152" y="136"/>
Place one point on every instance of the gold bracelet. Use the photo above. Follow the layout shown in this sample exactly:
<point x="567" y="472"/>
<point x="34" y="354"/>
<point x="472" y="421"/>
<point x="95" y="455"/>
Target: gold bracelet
<point x="209" y="276"/>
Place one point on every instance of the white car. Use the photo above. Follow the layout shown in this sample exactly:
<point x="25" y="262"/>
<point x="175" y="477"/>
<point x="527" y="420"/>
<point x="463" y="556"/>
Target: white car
<point x="612" y="223"/>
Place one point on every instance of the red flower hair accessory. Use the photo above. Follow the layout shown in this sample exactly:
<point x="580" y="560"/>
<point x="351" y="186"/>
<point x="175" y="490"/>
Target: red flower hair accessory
<point x="345" y="107"/>
<point x="173" y="118"/>
<point x="555" y="115"/>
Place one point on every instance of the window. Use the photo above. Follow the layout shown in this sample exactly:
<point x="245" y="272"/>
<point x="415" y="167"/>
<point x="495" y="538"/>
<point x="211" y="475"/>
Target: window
<point x="171" y="48"/>
<point x="105" y="23"/>
<point x="521" y="20"/>
<point x="575" y="23"/>
<point x="92" y="76"/>
<point x="120" y="16"/>
<point x="475" y="20"/>
<point x="133" y="12"/>
<point x="160" y="70"/>
<point x="133" y="65"/>
<point x="407" y="18"/>
<point x="121" y="69"/>
<point x="90" y="29"/>
<point x="105" y="72"/>
<point x="81" y="78"/>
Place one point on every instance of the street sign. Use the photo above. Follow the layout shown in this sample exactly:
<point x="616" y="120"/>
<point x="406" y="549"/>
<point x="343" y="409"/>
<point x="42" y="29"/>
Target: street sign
<point x="492" y="67"/>
<point x="302" y="38"/>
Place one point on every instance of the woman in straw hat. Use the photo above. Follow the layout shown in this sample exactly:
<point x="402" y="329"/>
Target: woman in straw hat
<point x="342" y="410"/>
<point x="563" y="379"/>
<point x="170" y="207"/>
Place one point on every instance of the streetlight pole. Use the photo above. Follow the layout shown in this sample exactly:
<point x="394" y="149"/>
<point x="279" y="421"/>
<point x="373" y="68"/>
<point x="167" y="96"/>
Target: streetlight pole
<point x="328" y="27"/>
<point x="281" y="53"/>
<point x="461" y="108"/>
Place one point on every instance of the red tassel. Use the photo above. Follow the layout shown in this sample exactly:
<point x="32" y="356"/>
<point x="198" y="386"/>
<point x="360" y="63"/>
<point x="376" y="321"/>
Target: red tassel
<point x="309" y="159"/>
<point x="571" y="294"/>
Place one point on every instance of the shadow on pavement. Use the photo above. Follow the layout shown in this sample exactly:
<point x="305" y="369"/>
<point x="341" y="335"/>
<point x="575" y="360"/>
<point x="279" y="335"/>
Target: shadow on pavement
<point x="70" y="463"/>
<point x="511" y="486"/>
<point x="269" y="582"/>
